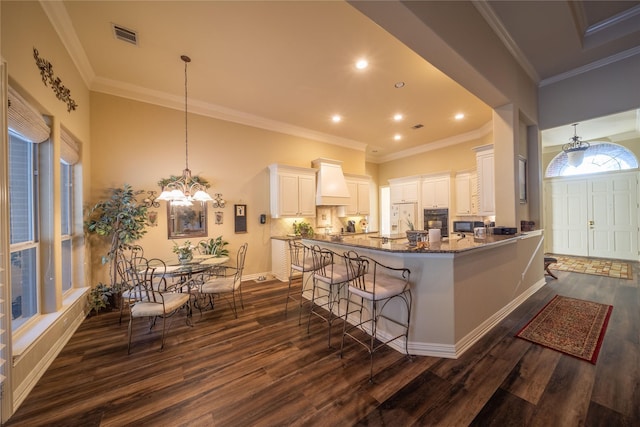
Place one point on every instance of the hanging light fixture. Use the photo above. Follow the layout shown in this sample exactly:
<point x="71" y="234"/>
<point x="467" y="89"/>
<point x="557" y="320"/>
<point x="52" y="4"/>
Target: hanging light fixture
<point x="575" y="149"/>
<point x="186" y="188"/>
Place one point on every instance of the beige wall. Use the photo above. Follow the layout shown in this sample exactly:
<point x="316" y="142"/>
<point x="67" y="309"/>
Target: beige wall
<point x="453" y="158"/>
<point x="138" y="143"/>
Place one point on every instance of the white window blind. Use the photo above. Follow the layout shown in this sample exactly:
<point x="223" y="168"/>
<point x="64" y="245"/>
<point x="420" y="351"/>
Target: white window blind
<point x="69" y="149"/>
<point x="25" y="120"/>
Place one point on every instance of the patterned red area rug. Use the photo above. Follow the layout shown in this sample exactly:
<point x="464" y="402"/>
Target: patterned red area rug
<point x="571" y="326"/>
<point x="598" y="267"/>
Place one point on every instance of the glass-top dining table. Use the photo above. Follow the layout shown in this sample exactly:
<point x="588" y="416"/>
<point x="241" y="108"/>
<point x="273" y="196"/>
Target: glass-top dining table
<point x="199" y="264"/>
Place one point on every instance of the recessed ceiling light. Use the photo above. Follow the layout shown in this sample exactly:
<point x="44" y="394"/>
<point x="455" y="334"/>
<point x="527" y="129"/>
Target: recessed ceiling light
<point x="398" y="117"/>
<point x="397" y="137"/>
<point x="362" y="64"/>
<point x="459" y="116"/>
<point x="399" y="85"/>
<point x="336" y="118"/>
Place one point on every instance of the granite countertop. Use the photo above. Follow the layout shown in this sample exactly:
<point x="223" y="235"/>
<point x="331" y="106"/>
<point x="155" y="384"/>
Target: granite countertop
<point x="346" y="235"/>
<point x="454" y="244"/>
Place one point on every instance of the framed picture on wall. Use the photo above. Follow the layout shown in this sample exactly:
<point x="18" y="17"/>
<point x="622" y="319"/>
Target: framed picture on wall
<point x="240" y="216"/>
<point x="522" y="179"/>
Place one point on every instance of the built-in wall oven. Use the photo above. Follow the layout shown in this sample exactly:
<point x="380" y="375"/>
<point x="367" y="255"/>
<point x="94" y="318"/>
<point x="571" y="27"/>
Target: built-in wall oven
<point x="437" y="218"/>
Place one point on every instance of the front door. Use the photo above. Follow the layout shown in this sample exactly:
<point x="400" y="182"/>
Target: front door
<point x="596" y="216"/>
<point x="613" y="216"/>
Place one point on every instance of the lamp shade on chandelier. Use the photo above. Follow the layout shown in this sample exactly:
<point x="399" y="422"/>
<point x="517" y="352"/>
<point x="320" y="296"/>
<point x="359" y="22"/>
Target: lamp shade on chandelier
<point x="575" y="149"/>
<point x="185" y="189"/>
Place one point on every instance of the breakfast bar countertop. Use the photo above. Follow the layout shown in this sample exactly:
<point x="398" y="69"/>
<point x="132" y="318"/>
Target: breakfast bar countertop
<point x="452" y="244"/>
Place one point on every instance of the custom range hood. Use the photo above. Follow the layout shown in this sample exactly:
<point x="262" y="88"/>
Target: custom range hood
<point x="331" y="187"/>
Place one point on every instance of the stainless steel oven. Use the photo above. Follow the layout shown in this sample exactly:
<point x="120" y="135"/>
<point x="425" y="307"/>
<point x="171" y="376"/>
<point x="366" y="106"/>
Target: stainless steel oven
<point x="437" y="218"/>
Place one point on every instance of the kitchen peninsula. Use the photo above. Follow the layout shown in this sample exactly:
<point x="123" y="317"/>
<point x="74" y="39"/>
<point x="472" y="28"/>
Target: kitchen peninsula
<point x="461" y="287"/>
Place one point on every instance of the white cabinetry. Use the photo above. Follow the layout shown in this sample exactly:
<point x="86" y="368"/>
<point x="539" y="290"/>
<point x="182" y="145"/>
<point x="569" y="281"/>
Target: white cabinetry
<point x="404" y="191"/>
<point x="466" y="193"/>
<point x="359" y="201"/>
<point x="435" y="192"/>
<point x="293" y="191"/>
<point x="486" y="181"/>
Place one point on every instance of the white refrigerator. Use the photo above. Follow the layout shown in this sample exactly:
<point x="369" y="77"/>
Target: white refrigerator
<point x="401" y="215"/>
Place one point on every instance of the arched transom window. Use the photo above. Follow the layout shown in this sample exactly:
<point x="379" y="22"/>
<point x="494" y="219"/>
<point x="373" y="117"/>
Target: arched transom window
<point x="600" y="157"/>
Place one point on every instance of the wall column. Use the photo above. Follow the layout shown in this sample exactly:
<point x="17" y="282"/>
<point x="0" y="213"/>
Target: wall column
<point x="505" y="141"/>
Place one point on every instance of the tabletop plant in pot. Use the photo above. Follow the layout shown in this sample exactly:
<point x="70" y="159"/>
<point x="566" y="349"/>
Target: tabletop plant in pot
<point x="214" y="246"/>
<point x="184" y="252"/>
<point x="119" y="220"/>
<point x="303" y="229"/>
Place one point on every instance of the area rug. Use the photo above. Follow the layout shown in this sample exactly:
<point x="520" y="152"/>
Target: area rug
<point x="571" y="326"/>
<point x="598" y="267"/>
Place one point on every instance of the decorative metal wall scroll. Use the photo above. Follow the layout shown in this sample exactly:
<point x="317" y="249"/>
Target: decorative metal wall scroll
<point x="48" y="78"/>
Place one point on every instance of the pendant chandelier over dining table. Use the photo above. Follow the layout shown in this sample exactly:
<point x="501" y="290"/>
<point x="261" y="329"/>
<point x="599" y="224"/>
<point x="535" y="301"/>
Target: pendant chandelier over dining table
<point x="186" y="188"/>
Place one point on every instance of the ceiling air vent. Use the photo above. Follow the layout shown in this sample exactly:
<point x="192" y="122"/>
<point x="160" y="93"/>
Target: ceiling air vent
<point x="125" y="35"/>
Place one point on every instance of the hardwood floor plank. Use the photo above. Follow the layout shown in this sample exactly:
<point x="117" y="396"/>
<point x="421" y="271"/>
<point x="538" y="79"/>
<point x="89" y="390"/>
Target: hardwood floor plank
<point x="503" y="410"/>
<point x="567" y="396"/>
<point x="530" y="376"/>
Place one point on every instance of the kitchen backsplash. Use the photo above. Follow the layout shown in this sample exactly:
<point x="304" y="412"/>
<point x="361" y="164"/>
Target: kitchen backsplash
<point x="326" y="220"/>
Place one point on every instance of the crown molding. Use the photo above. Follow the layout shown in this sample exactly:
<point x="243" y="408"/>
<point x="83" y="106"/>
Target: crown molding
<point x="137" y="93"/>
<point x="61" y="22"/>
<point x="436" y="145"/>
<point x="485" y="9"/>
<point x="592" y="66"/>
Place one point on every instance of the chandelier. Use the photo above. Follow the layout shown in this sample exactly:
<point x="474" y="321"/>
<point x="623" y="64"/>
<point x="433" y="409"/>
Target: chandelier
<point x="575" y="149"/>
<point x="183" y="190"/>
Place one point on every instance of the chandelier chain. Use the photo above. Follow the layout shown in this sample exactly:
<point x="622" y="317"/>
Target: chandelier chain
<point x="186" y="60"/>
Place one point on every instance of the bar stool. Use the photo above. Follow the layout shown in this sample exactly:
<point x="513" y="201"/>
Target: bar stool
<point x="375" y="285"/>
<point x="301" y="262"/>
<point x="328" y="278"/>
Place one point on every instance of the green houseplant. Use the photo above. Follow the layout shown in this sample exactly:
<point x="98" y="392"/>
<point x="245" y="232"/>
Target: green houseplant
<point x="99" y="297"/>
<point x="120" y="220"/>
<point x="303" y="229"/>
<point x="214" y="246"/>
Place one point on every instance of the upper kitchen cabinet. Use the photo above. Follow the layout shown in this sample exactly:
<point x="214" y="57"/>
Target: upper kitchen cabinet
<point x="359" y="201"/>
<point x="486" y="180"/>
<point x="435" y="192"/>
<point x="404" y="190"/>
<point x="293" y="191"/>
<point x="466" y="193"/>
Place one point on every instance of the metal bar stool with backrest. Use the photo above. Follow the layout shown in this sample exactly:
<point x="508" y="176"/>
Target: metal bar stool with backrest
<point x="373" y="286"/>
<point x="330" y="274"/>
<point x="301" y="262"/>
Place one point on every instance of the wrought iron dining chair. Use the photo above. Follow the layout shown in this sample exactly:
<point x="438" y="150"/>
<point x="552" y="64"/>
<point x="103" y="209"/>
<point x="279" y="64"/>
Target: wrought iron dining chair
<point x="301" y="263"/>
<point x="330" y="274"/>
<point x="127" y="269"/>
<point x="153" y="297"/>
<point x="230" y="283"/>
<point x="372" y="286"/>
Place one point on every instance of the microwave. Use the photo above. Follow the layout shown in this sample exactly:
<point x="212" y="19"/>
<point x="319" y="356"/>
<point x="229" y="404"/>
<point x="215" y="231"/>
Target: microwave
<point x="466" y="226"/>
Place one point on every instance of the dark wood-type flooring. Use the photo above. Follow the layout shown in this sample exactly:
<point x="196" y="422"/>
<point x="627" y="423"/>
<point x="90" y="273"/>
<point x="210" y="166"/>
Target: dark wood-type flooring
<point x="262" y="369"/>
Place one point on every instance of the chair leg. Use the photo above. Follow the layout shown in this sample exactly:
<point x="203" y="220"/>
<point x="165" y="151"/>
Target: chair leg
<point x="286" y="305"/>
<point x="235" y="310"/>
<point x="164" y="324"/>
<point x="130" y="329"/>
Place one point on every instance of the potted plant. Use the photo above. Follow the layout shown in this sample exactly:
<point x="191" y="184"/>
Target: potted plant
<point x="99" y="297"/>
<point x="184" y="252"/>
<point x="121" y="220"/>
<point x="303" y="229"/>
<point x="214" y="246"/>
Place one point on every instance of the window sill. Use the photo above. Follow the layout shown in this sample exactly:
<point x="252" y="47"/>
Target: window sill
<point x="24" y="339"/>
